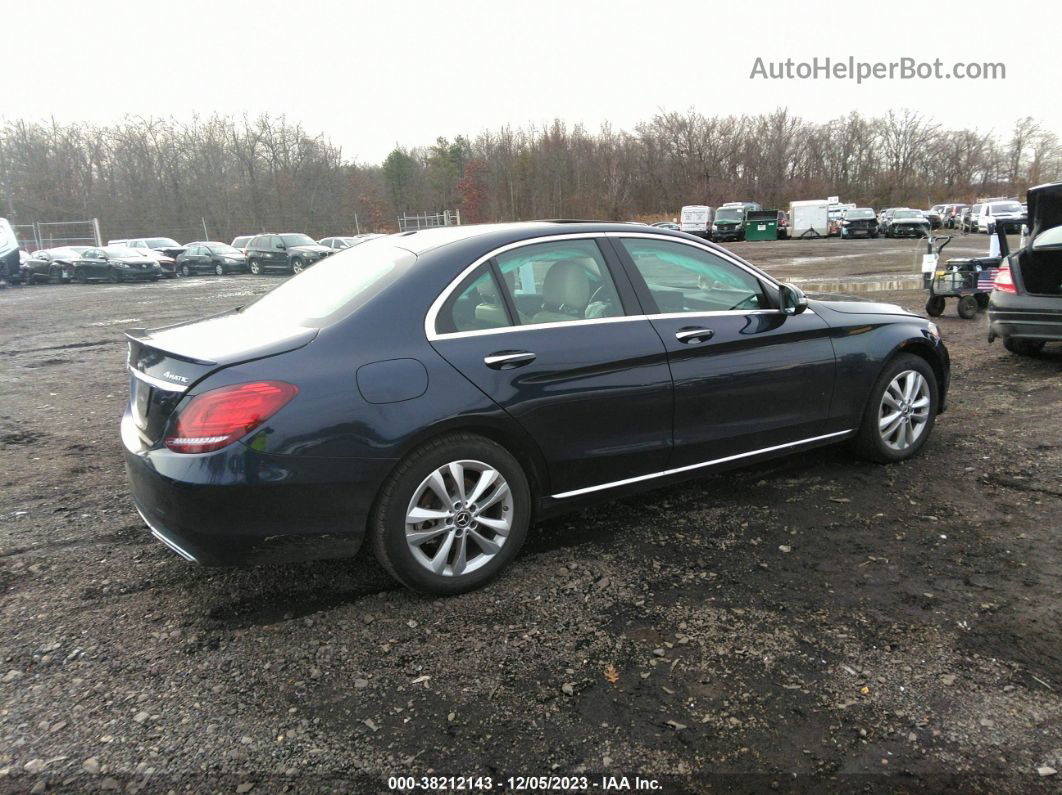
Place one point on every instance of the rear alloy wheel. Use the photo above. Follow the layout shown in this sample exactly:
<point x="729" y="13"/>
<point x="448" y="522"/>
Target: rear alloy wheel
<point x="256" y="269"/>
<point x="452" y="515"/>
<point x="1023" y="347"/>
<point x="297" y="266"/>
<point x="967" y="307"/>
<point x="185" y="269"/>
<point x="219" y="269"/>
<point x="900" y="413"/>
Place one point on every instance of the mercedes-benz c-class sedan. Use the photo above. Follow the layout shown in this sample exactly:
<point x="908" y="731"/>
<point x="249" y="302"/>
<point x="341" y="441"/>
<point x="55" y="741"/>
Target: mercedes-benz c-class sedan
<point x="435" y="393"/>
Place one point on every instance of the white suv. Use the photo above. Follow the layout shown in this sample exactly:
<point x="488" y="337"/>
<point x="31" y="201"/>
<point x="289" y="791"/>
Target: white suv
<point x="1007" y="213"/>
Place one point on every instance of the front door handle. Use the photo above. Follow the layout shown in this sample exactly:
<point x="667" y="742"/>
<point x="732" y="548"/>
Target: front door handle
<point x="694" y="334"/>
<point x="507" y="360"/>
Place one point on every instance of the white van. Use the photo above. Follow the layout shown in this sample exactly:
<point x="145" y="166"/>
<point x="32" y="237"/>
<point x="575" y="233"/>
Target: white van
<point x="696" y="219"/>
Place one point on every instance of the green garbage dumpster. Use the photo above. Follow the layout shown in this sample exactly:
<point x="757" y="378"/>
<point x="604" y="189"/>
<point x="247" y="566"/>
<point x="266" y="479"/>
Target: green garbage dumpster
<point x="761" y="225"/>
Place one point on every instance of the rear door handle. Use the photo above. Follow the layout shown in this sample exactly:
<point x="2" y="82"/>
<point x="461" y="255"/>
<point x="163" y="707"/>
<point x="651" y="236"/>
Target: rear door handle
<point x="694" y="334"/>
<point x="507" y="360"/>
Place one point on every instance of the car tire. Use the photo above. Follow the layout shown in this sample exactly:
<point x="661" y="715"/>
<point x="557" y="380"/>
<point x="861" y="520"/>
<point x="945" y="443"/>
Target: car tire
<point x="185" y="270"/>
<point x="905" y="435"/>
<point x="1023" y="347"/>
<point x="451" y="531"/>
<point x="982" y="300"/>
<point x="967" y="307"/>
<point x="219" y="269"/>
<point x="297" y="266"/>
<point x="113" y="277"/>
<point x="256" y="269"/>
<point x="55" y="275"/>
<point x="935" y="306"/>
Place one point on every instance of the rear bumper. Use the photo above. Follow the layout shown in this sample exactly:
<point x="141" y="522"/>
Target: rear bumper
<point x="237" y="506"/>
<point x="1032" y="317"/>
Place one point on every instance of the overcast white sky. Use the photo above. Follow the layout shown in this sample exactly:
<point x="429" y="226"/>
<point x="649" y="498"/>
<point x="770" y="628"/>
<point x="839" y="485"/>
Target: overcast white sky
<point x="370" y="75"/>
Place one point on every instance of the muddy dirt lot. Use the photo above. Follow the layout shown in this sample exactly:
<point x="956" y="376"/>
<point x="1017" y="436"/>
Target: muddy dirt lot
<point x="812" y="624"/>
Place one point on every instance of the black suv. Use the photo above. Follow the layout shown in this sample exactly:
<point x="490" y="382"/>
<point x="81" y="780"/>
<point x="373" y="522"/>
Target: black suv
<point x="291" y="252"/>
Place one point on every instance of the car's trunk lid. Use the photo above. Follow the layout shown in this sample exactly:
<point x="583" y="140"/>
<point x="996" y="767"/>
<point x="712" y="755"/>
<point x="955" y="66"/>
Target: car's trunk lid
<point x="165" y="364"/>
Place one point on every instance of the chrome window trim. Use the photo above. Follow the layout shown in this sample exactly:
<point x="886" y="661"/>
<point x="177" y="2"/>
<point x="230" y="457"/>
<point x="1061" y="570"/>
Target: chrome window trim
<point x="158" y="383"/>
<point x="431" y="318"/>
<point x="722" y="313"/>
<point x="678" y="470"/>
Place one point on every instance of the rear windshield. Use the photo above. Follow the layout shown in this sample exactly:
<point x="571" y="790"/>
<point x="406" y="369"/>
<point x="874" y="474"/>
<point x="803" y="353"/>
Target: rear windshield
<point x="162" y="242"/>
<point x="908" y="214"/>
<point x="336" y="286"/>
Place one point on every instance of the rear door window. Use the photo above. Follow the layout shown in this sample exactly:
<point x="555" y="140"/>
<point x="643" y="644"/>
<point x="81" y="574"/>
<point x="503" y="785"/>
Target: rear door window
<point x="559" y="282"/>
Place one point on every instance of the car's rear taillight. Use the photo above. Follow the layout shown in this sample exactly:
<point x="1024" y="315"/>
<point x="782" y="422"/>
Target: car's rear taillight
<point x="219" y="417"/>
<point x="1004" y="280"/>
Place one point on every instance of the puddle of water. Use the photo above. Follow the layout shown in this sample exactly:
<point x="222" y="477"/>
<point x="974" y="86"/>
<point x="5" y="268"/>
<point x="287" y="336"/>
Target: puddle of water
<point x="862" y="284"/>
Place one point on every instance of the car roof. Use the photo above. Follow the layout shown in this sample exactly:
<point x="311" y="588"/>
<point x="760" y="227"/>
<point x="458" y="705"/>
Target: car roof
<point x="424" y="240"/>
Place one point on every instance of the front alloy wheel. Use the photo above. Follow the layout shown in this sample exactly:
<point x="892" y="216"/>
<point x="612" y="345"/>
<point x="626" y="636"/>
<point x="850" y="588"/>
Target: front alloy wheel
<point x="297" y="266"/>
<point x="452" y="515"/>
<point x="219" y="269"/>
<point x="186" y="270"/>
<point x="904" y="410"/>
<point x="256" y="269"/>
<point x="900" y="412"/>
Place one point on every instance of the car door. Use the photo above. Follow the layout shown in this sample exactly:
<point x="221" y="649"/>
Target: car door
<point x="553" y="334"/>
<point x="193" y="257"/>
<point x="278" y="254"/>
<point x="747" y="377"/>
<point x="92" y="264"/>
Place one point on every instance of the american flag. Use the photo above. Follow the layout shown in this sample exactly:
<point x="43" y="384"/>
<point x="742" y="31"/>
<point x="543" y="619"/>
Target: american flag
<point x="986" y="279"/>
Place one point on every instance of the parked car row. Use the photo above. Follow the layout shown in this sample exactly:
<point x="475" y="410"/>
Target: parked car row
<point x="153" y="258"/>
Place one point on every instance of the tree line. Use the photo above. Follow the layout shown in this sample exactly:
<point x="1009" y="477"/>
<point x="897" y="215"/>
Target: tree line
<point x="156" y="176"/>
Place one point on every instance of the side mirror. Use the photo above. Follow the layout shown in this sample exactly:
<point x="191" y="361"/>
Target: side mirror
<point x="281" y="246"/>
<point x="791" y="300"/>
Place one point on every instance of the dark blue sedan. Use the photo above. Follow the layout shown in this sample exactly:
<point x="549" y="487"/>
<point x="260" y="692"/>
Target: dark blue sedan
<point x="437" y="392"/>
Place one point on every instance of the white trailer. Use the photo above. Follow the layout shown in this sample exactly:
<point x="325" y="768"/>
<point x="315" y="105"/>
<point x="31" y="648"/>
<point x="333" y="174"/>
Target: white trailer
<point x="809" y="218"/>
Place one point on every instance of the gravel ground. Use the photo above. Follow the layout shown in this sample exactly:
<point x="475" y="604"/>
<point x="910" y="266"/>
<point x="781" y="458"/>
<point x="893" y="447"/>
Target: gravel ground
<point x="813" y="623"/>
